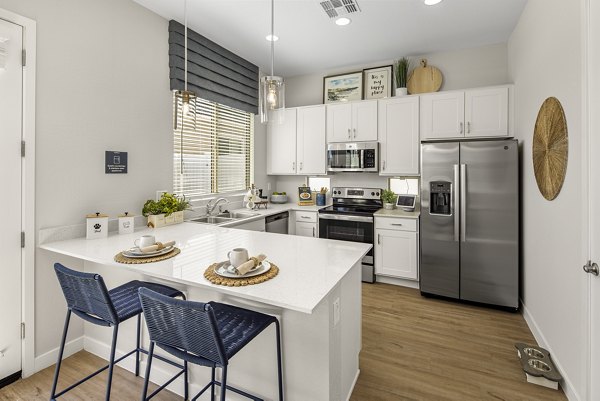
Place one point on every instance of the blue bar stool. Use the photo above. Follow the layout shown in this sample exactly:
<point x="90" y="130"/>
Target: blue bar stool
<point x="87" y="297"/>
<point x="205" y="334"/>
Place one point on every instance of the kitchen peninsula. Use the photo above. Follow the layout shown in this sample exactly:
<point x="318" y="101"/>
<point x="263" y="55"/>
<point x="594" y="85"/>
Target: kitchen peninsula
<point x="316" y="296"/>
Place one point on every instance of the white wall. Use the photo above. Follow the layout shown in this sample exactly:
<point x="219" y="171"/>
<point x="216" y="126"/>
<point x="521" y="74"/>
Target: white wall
<point x="102" y="84"/>
<point x="544" y="60"/>
<point x="461" y="69"/>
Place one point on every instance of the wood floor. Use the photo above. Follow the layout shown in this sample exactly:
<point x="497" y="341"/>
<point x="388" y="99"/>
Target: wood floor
<point x="414" y="348"/>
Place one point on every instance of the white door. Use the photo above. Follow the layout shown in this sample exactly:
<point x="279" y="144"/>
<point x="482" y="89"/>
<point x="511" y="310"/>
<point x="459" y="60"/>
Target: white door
<point x="486" y="112"/>
<point x="339" y="122"/>
<point x="443" y="115"/>
<point x="311" y="140"/>
<point x="11" y="95"/>
<point x="396" y="253"/>
<point x="594" y="194"/>
<point x="398" y="128"/>
<point x="364" y="120"/>
<point x="281" y="143"/>
<point x="306" y="229"/>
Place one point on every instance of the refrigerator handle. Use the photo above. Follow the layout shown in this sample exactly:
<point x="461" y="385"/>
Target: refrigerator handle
<point x="463" y="202"/>
<point x="455" y="202"/>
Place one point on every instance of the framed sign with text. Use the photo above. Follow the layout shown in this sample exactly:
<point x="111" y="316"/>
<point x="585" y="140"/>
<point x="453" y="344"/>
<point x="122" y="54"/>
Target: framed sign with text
<point x="378" y="82"/>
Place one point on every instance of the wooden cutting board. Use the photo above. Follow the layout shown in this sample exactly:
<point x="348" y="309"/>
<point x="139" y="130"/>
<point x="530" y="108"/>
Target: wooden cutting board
<point x="425" y="79"/>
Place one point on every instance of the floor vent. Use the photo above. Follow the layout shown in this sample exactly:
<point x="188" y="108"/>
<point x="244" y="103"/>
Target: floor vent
<point x="336" y="8"/>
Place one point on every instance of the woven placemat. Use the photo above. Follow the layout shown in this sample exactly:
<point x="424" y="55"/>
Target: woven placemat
<point x="120" y="258"/>
<point x="214" y="278"/>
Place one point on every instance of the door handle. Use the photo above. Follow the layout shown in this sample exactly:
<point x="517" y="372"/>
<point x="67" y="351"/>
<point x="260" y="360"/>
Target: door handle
<point x="293" y="166"/>
<point x="396" y="224"/>
<point x="313" y="232"/>
<point x="468" y="127"/>
<point x="304" y="217"/>
<point x="349" y="135"/>
<point x="455" y="202"/>
<point x="301" y="166"/>
<point x="463" y="202"/>
<point x="354" y="130"/>
<point x="384" y="165"/>
<point x="462" y="127"/>
<point x="378" y="239"/>
<point x="591" y="268"/>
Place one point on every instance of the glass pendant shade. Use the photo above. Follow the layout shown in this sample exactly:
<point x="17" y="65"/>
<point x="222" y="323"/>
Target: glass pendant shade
<point x="272" y="96"/>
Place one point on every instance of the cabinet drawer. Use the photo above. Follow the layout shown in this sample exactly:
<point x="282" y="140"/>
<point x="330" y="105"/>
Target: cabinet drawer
<point x="306" y="217"/>
<point x="392" y="223"/>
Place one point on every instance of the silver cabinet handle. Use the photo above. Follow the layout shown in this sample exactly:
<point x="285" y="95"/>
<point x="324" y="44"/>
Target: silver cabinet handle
<point x="293" y="166"/>
<point x="354" y="130"/>
<point x="384" y="165"/>
<point x="378" y="239"/>
<point x="468" y="127"/>
<point x="591" y="268"/>
<point x="313" y="232"/>
<point x="454" y="202"/>
<point x="349" y="135"/>
<point x="463" y="202"/>
<point x="301" y="166"/>
<point x="462" y="127"/>
<point x="304" y="217"/>
<point x="396" y="224"/>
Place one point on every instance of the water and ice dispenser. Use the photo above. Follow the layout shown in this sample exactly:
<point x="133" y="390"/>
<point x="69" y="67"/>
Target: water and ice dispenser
<point x="440" y="193"/>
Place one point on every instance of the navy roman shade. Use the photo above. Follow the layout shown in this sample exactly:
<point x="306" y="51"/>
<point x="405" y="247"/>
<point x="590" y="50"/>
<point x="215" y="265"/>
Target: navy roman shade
<point x="214" y="73"/>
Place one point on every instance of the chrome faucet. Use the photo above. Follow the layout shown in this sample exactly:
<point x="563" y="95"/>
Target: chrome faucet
<point x="210" y="206"/>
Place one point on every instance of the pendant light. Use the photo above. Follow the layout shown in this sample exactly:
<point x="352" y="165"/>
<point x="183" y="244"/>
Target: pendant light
<point x="185" y="95"/>
<point x="272" y="88"/>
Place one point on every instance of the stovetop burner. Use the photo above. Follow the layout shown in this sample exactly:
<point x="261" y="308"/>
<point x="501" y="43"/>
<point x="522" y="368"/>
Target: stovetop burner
<point x="355" y="201"/>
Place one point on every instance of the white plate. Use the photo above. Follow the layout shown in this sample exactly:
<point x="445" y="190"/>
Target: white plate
<point x="223" y="269"/>
<point x="135" y="252"/>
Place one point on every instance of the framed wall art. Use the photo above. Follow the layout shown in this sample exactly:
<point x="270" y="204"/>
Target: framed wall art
<point x="378" y="82"/>
<point x="343" y="88"/>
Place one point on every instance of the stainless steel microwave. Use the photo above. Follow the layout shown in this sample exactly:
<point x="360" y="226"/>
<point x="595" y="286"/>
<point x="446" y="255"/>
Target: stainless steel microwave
<point x="355" y="156"/>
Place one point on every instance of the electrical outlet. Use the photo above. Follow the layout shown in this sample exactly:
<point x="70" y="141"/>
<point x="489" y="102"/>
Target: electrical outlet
<point x="268" y="186"/>
<point x="336" y="312"/>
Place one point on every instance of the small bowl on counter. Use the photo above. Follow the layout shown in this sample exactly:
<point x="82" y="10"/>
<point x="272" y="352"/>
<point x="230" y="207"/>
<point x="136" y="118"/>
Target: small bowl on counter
<point x="279" y="198"/>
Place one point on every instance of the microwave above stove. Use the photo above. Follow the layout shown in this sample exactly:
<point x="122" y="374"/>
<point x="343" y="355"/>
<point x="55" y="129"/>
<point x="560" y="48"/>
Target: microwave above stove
<point x="353" y="157"/>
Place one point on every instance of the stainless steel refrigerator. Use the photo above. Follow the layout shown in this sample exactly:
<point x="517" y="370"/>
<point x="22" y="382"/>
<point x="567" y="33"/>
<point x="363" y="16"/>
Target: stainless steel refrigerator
<point x="470" y="221"/>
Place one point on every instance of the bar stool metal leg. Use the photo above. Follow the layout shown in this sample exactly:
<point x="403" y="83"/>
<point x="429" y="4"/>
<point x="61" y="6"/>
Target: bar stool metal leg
<point x="212" y="389"/>
<point x="223" y="382"/>
<point x="148" y="367"/>
<point x="137" y="345"/>
<point x="111" y="361"/>
<point x="185" y="380"/>
<point x="60" y="355"/>
<point x="279" y="364"/>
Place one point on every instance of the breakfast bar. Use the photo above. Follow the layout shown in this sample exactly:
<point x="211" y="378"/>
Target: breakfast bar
<point x="316" y="295"/>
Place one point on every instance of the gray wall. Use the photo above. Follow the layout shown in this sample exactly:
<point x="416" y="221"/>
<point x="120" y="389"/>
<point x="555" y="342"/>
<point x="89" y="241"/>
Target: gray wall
<point x="539" y="51"/>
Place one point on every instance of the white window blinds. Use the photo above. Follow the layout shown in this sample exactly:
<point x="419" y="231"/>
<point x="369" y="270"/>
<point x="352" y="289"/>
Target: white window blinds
<point x="212" y="146"/>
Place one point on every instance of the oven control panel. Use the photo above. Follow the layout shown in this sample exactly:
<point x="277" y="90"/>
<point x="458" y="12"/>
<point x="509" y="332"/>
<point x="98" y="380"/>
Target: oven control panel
<point x="356" y="193"/>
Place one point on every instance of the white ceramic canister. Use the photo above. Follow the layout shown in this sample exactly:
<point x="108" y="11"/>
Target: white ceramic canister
<point x="97" y="226"/>
<point x="126" y="223"/>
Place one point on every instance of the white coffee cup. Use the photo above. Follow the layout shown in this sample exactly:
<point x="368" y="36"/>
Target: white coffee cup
<point x="144" y="241"/>
<point x="238" y="256"/>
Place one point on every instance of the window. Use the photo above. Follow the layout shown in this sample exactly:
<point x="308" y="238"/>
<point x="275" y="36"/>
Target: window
<point x="408" y="185"/>
<point x="213" y="149"/>
<point x="316" y="183"/>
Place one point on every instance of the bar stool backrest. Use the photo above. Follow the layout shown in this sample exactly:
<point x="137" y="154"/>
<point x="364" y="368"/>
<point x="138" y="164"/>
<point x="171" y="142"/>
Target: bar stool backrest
<point x="86" y="295"/>
<point x="188" y="326"/>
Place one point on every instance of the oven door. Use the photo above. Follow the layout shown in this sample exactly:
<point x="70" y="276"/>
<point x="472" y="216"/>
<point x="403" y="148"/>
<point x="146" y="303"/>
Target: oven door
<point x="350" y="228"/>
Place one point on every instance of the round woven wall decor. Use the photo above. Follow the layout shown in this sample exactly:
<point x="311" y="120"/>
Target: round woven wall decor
<point x="550" y="148"/>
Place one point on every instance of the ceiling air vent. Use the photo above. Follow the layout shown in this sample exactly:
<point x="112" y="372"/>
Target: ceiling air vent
<point x="336" y="8"/>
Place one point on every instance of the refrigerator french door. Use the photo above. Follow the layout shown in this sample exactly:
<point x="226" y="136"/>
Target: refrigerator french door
<point x="470" y="221"/>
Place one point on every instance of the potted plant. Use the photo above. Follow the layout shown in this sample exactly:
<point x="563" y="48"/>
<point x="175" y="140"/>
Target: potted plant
<point x="401" y="68"/>
<point x="167" y="210"/>
<point x="389" y="199"/>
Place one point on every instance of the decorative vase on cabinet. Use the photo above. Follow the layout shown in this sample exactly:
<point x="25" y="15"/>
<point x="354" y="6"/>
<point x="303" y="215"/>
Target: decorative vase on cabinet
<point x="401" y="91"/>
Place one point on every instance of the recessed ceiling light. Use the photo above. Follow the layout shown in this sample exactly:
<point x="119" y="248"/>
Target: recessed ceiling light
<point x="432" y="2"/>
<point x="343" y="21"/>
<point x="272" y="38"/>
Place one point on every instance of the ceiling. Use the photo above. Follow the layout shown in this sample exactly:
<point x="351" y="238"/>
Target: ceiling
<point x="310" y="41"/>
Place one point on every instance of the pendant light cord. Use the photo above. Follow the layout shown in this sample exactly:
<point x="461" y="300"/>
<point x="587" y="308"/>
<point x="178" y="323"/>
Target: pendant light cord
<point x="185" y="42"/>
<point x="272" y="36"/>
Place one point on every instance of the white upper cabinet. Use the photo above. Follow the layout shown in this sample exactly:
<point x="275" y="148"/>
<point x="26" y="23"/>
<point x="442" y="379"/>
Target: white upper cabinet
<point x="486" y="112"/>
<point x="399" y="135"/>
<point x="281" y="143"/>
<point x="310" y="142"/>
<point x="471" y="113"/>
<point x="348" y="122"/>
<point x="442" y="115"/>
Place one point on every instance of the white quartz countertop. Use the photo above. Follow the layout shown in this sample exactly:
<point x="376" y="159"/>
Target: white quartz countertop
<point x="309" y="267"/>
<point x="398" y="212"/>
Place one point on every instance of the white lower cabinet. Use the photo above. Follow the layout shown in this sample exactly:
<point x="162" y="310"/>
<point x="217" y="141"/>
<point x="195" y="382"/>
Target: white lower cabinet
<point x="307" y="224"/>
<point x="256" y="225"/>
<point x="396" y="248"/>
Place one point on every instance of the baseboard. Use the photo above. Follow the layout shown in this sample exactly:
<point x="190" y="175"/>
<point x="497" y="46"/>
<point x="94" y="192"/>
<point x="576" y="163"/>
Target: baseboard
<point x="566" y="383"/>
<point x="397" y="281"/>
<point x="353" y="385"/>
<point x="49" y="358"/>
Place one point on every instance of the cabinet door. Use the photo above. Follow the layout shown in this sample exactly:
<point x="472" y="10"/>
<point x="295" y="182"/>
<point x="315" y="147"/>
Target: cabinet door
<point x="339" y="122"/>
<point x="396" y="254"/>
<point x="442" y="115"/>
<point x="306" y="229"/>
<point x="399" y="135"/>
<point x="486" y="112"/>
<point x="364" y="120"/>
<point x="281" y="143"/>
<point x="311" y="150"/>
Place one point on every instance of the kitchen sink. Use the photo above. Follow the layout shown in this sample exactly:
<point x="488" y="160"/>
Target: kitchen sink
<point x="237" y="215"/>
<point x="212" y="220"/>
